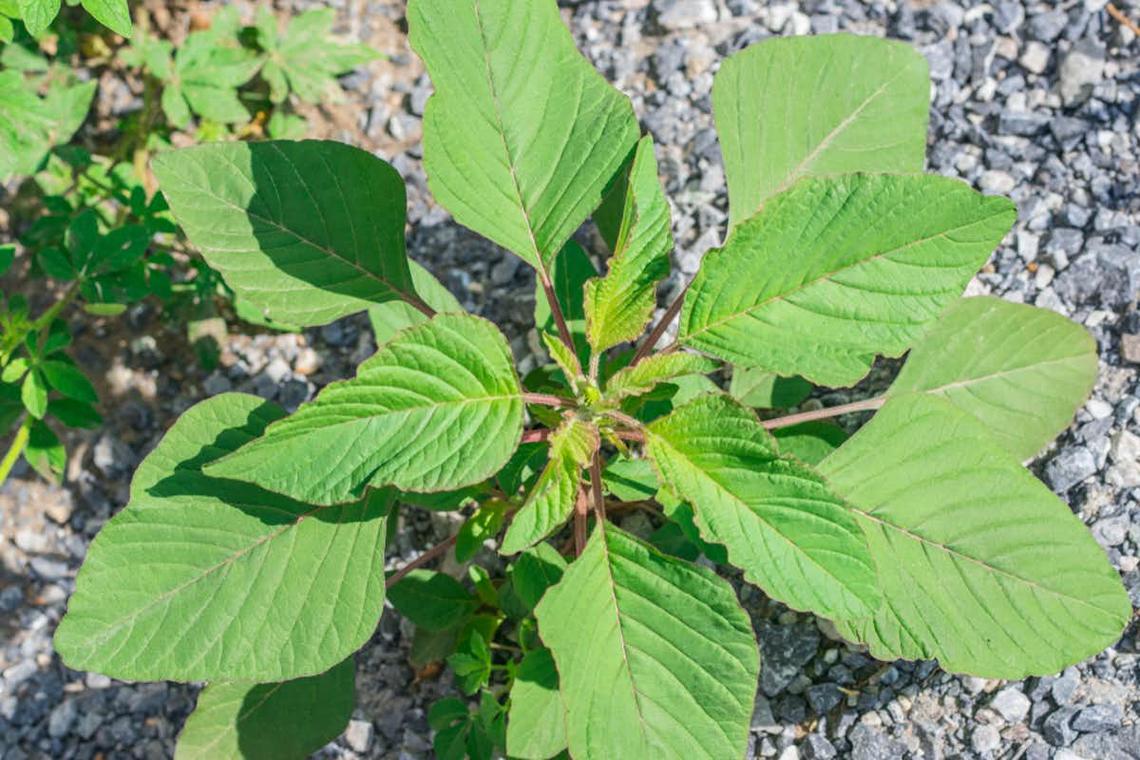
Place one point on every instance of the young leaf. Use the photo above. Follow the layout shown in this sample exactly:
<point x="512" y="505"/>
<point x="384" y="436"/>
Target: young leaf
<point x="209" y="68"/>
<point x="471" y="663"/>
<point x="569" y="273"/>
<point x="201" y="579"/>
<point x="837" y="270"/>
<point x="779" y="521"/>
<point x="31" y="125"/>
<point x="522" y="134"/>
<point x="1020" y="370"/>
<point x="655" y="655"/>
<point x="309" y="231"/>
<point x="762" y="389"/>
<point x="536" y="720"/>
<point x="305" y="59"/>
<point x="549" y="504"/>
<point x="619" y="305"/>
<point x="269" y="721"/>
<point x="113" y="14"/>
<point x="34" y="394"/>
<point x="796" y="106"/>
<point x="810" y="442"/>
<point x="392" y="316"/>
<point x="432" y="600"/>
<point x="659" y="368"/>
<point x="38" y="15"/>
<point x="436" y="408"/>
<point x="980" y="565"/>
<point x="69" y="380"/>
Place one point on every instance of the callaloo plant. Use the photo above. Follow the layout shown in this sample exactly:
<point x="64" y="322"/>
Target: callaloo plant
<point x="251" y="552"/>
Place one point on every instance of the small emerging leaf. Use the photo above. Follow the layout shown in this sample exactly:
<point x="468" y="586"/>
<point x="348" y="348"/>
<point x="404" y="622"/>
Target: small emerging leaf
<point x="659" y="368"/>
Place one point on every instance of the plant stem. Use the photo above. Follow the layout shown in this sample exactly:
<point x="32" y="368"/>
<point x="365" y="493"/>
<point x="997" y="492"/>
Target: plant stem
<point x="419" y="304"/>
<point x="54" y="310"/>
<point x="822" y="414"/>
<point x="596" y="485"/>
<point x="581" y="512"/>
<point x="1117" y="14"/>
<point x="559" y="318"/>
<point x="537" y="435"/>
<point x="625" y="419"/>
<point x="19" y="443"/>
<point x="546" y="399"/>
<point x="432" y="553"/>
<point x="667" y="318"/>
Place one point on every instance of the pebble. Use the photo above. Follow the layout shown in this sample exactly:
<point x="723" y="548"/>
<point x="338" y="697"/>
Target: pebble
<point x="1070" y="467"/>
<point x="359" y="734"/>
<point x="985" y="739"/>
<point x="1098" y="718"/>
<point x="1011" y="703"/>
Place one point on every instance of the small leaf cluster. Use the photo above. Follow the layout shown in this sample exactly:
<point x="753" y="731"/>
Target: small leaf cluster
<point x="37" y="15"/>
<point x="251" y="551"/>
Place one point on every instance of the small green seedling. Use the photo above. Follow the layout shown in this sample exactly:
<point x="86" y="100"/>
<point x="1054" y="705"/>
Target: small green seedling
<point x="251" y="553"/>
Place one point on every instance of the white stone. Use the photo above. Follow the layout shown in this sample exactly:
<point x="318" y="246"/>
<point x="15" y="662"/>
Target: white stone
<point x="1125" y="452"/>
<point x="1035" y="58"/>
<point x="1012" y="704"/>
<point x="358" y="735"/>
<point x="1098" y="408"/>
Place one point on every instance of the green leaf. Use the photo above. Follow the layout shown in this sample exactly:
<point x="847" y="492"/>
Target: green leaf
<point x="779" y="521"/>
<point x="15" y="369"/>
<point x="522" y="135"/>
<point x="34" y="394"/>
<point x="831" y="104"/>
<point x="310" y="231"/>
<point x="113" y="14"/>
<point x="549" y="504"/>
<point x="7" y="29"/>
<point x="210" y="67"/>
<point x="810" y="442"/>
<point x="619" y="305"/>
<point x="436" y="408"/>
<point x="471" y="663"/>
<point x="980" y="565"/>
<point x="74" y="414"/>
<point x="450" y="719"/>
<point x="7" y="257"/>
<point x="38" y="15"/>
<point x="44" y="452"/>
<point x="200" y="578"/>
<point x="69" y="380"/>
<point x="762" y="389"/>
<point x="306" y="56"/>
<point x="837" y="270"/>
<point x="536" y="725"/>
<point x="683" y="516"/>
<point x="655" y="655"/>
<point x="391" y="317"/>
<point x="569" y="273"/>
<point x="175" y="107"/>
<point x="269" y="721"/>
<point x="630" y="479"/>
<point x="431" y="600"/>
<point x="481" y="526"/>
<point x="1020" y="370"/>
<point x="30" y="125"/>
<point x="654" y="370"/>
<point x="534" y="571"/>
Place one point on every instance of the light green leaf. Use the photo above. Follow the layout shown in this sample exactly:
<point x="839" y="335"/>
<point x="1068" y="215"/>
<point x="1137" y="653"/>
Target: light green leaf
<point x="779" y="521"/>
<point x="433" y="601"/>
<point x="630" y="479"/>
<point x="522" y="135"/>
<point x="536" y="724"/>
<point x="309" y="231"/>
<point x="481" y="526"/>
<point x="287" y="720"/>
<point x="200" y="578"/>
<point x="619" y="305"/>
<point x="569" y="273"/>
<point x="113" y="14"/>
<point x="980" y="565"/>
<point x="835" y="271"/>
<point x="38" y="15"/>
<point x="549" y="504"/>
<point x="69" y="380"/>
<point x="654" y="370"/>
<point x="1022" y="371"/>
<point x="810" y="442"/>
<point x="655" y="655"/>
<point x="175" y="107"/>
<point x="34" y="394"/>
<point x="831" y="104"/>
<point x="7" y="30"/>
<point x="391" y="317"/>
<point x="436" y="408"/>
<point x="762" y="389"/>
<point x="307" y="56"/>
<point x="30" y="125"/>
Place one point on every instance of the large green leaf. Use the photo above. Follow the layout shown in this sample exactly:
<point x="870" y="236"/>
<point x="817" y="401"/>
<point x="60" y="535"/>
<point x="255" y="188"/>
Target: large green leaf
<point x="837" y="270"/>
<point x="522" y="135"/>
<point x="436" y="408"/>
<point x="309" y="231"/>
<point x="980" y="565"/>
<point x="536" y="726"/>
<point x="619" y="305"/>
<point x="287" y="720"/>
<point x="656" y="658"/>
<point x="200" y="578"/>
<point x="1022" y="371"/>
<point x="392" y="316"/>
<point x="552" y="499"/>
<point x="432" y="600"/>
<point x="832" y="104"/>
<point x="779" y="521"/>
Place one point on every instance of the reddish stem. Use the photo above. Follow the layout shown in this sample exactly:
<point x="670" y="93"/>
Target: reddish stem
<point x="581" y="512"/>
<point x="667" y="318"/>
<point x="823" y="414"/>
<point x="559" y="318"/>
<point x="536" y="436"/>
<point x="596" y="485"/>
<point x="546" y="399"/>
<point x="432" y="553"/>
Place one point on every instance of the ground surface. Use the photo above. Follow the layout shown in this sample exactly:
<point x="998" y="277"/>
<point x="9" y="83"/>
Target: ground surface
<point x="1033" y="100"/>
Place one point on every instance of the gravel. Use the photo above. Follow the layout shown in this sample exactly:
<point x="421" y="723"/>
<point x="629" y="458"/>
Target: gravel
<point x="1037" y="101"/>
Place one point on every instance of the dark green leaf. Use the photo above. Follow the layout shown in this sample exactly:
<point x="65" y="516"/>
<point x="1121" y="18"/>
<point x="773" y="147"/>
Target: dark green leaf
<point x="432" y="600"/>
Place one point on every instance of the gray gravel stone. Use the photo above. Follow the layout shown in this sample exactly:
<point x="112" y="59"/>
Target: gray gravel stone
<point x="1098" y="718"/>
<point x="1011" y="703"/>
